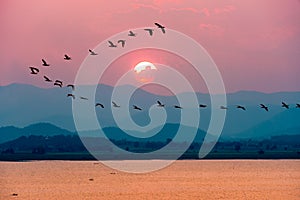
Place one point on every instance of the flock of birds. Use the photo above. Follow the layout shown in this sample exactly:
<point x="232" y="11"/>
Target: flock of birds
<point x="59" y="83"/>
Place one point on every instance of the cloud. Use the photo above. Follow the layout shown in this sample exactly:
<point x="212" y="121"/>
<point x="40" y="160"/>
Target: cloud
<point x="215" y="30"/>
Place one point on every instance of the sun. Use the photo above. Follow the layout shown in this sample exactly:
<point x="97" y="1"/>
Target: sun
<point x="144" y="71"/>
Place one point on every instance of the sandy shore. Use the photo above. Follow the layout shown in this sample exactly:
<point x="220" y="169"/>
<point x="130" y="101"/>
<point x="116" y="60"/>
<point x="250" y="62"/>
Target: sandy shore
<point x="213" y="179"/>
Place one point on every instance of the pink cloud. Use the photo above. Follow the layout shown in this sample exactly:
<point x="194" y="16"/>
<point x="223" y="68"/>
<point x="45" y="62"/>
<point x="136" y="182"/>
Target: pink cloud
<point x="212" y="29"/>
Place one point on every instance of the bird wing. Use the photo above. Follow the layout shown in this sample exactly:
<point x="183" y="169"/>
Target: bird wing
<point x="158" y="25"/>
<point x="111" y="43"/>
<point x="72" y="86"/>
<point x="115" y="105"/>
<point x="44" y="62"/>
<point x="163" y="30"/>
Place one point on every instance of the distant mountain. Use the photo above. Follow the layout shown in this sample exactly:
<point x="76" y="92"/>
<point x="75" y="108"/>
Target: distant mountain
<point x="285" y="123"/>
<point x="40" y="129"/>
<point x="22" y="105"/>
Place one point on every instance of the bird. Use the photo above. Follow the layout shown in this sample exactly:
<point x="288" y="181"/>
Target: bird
<point x="14" y="194"/>
<point x="284" y="105"/>
<point x="91" y="179"/>
<point x="122" y="42"/>
<point x="115" y="105"/>
<point x="149" y="30"/>
<point x="161" y="27"/>
<point x="179" y="107"/>
<point x="71" y="95"/>
<point x="58" y="83"/>
<point x="131" y="34"/>
<point x="71" y="86"/>
<point x="111" y="44"/>
<point x="67" y="57"/>
<point x="45" y="63"/>
<point x="297" y="105"/>
<point x="202" y="106"/>
<point x="47" y="79"/>
<point x="92" y="53"/>
<point x="223" y="107"/>
<point x="99" y="104"/>
<point x="34" y="70"/>
<point x="264" y="107"/>
<point x="160" y="104"/>
<point x="84" y="98"/>
<point x="136" y="107"/>
<point x="240" y="107"/>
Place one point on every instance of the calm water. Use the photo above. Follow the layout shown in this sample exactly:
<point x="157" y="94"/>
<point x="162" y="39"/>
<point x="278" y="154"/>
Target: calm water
<point x="230" y="179"/>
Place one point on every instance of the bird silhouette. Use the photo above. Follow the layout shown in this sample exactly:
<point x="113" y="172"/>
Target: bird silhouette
<point x="84" y="98"/>
<point x="284" y="105"/>
<point x="99" y="104"/>
<point x="240" y="107"/>
<point x="297" y="105"/>
<point x="160" y="104"/>
<point x="264" y="107"/>
<point x="47" y="79"/>
<point x="122" y="42"/>
<point x="45" y="63"/>
<point x="67" y="57"/>
<point x="34" y="70"/>
<point x="150" y="31"/>
<point x="71" y="95"/>
<point x="136" y="107"/>
<point x="115" y="105"/>
<point x="71" y="86"/>
<point x="160" y="27"/>
<point x="58" y="83"/>
<point x="92" y="53"/>
<point x="132" y="34"/>
<point x="179" y="107"/>
<point x="202" y="106"/>
<point x="223" y="107"/>
<point x="111" y="44"/>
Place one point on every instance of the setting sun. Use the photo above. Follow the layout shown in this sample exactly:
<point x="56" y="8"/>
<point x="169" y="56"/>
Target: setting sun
<point x="144" y="71"/>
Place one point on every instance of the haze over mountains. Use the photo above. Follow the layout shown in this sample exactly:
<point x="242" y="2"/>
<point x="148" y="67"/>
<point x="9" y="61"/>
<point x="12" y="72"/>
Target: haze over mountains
<point x="24" y="105"/>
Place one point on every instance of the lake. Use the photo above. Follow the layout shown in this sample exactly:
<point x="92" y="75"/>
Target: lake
<point x="184" y="179"/>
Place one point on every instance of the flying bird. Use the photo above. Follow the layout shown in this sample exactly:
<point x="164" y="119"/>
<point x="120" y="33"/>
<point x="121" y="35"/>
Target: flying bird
<point x="132" y="34"/>
<point x="179" y="107"/>
<point x="223" y="107"/>
<point x="297" y="105"/>
<point x="34" y="70"/>
<point x="47" y="79"/>
<point x="122" y="42"/>
<point x="161" y="27"/>
<point x="71" y="86"/>
<point x="136" y="107"/>
<point x="84" y="98"/>
<point x="99" y="104"/>
<point x="149" y="30"/>
<point x="58" y="83"/>
<point x="202" y="106"/>
<point x="284" y="105"/>
<point x="111" y="44"/>
<point x="45" y="63"/>
<point x="240" y="107"/>
<point x="71" y="95"/>
<point x="67" y="57"/>
<point x="264" y="107"/>
<point x="115" y="105"/>
<point x="92" y="53"/>
<point x="159" y="104"/>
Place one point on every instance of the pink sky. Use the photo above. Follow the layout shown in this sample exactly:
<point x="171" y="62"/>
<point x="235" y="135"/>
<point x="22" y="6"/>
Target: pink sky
<point x="255" y="43"/>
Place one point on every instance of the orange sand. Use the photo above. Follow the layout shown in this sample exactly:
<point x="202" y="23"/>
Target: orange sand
<point x="230" y="179"/>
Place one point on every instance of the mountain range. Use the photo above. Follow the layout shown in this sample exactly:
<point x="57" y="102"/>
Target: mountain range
<point x="43" y="110"/>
